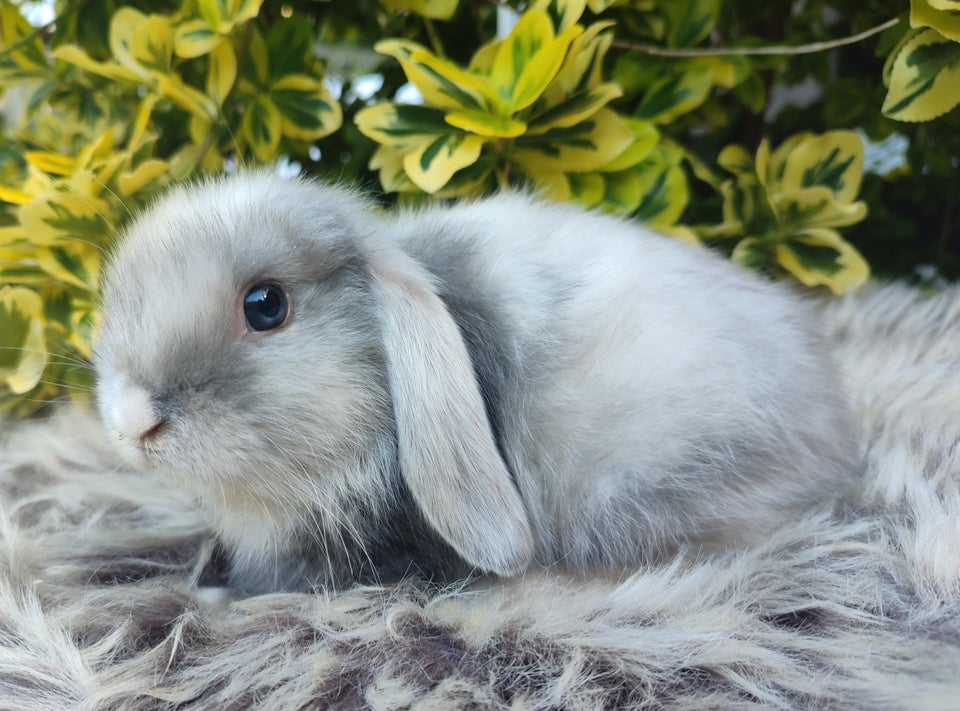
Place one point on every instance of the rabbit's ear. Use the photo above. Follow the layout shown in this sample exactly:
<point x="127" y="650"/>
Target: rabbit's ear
<point x="447" y="452"/>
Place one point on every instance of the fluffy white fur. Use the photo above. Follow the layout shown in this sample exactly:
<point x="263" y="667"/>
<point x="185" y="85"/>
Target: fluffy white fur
<point x="558" y="387"/>
<point x="100" y="606"/>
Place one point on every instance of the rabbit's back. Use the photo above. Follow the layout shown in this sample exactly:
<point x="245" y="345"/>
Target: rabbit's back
<point x="644" y="392"/>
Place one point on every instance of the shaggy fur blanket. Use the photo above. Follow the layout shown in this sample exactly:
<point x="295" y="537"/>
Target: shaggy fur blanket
<point x="109" y="596"/>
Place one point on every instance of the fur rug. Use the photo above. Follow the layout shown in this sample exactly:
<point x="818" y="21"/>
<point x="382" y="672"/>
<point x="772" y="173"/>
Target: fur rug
<point x="109" y="597"/>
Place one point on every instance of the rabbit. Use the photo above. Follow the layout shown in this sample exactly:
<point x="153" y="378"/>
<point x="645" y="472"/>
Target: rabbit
<point x="355" y="395"/>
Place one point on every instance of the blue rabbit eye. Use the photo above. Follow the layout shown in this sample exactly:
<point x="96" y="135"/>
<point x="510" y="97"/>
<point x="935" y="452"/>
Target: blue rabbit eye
<point x="265" y="307"/>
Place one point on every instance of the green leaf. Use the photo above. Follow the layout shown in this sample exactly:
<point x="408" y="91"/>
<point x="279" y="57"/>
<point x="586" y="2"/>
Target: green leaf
<point x="689" y="23"/>
<point x="290" y="44"/>
<point x="262" y="125"/>
<point x="924" y="78"/>
<point x="308" y="111"/>
<point x="432" y="166"/>
<point x="259" y="57"/>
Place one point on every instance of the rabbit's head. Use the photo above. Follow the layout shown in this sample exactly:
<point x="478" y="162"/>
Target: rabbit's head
<point x="267" y="344"/>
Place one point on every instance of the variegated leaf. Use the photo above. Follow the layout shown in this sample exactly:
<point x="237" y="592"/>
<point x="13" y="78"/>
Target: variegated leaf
<point x="665" y="193"/>
<point x="72" y="54"/>
<point x="221" y="72"/>
<point x="583" y="66"/>
<point x="735" y="159"/>
<point x="645" y="139"/>
<point x="186" y="97"/>
<point x="401" y="124"/>
<point x="441" y="82"/>
<point x="940" y="15"/>
<point x="151" y="44"/>
<point x="833" y="160"/>
<point x="924" y="78"/>
<point x="752" y="253"/>
<point x="820" y="257"/>
<point x="20" y="42"/>
<point x="432" y="165"/>
<point x="483" y="124"/>
<point x="583" y="148"/>
<point x="436" y="9"/>
<point x="123" y="25"/>
<point x="587" y="188"/>
<point x="532" y="33"/>
<point x="132" y="181"/>
<point x="59" y="217"/>
<point x="563" y="13"/>
<point x="540" y="69"/>
<point x="76" y="264"/>
<point x="308" y="111"/>
<point x="575" y="108"/>
<point x="262" y="126"/>
<point x="23" y="347"/>
<point x="388" y="160"/>
<point x="674" y="96"/>
<point x="816" y="207"/>
<point x="623" y="191"/>
<point x="690" y="22"/>
<point x="52" y="163"/>
<point x="195" y="38"/>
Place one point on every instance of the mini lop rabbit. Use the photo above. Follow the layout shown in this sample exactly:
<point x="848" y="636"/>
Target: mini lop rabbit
<point x="354" y="395"/>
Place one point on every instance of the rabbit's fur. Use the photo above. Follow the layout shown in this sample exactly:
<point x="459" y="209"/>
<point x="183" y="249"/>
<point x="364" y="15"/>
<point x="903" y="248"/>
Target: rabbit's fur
<point x="489" y="385"/>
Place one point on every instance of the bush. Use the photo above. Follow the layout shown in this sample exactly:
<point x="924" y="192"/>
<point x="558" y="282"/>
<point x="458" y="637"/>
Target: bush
<point x="671" y="113"/>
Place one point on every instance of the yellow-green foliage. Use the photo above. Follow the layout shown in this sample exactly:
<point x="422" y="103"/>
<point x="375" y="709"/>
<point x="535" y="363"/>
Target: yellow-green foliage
<point x="125" y="97"/>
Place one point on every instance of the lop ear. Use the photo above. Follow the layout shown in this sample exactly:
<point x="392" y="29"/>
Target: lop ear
<point x="447" y="452"/>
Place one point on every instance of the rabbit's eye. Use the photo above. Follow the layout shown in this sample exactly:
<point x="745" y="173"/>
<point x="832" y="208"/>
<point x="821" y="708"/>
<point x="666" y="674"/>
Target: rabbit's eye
<point x="265" y="307"/>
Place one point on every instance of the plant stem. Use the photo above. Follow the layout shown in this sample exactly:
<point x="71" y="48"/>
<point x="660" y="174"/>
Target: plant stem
<point x="434" y="37"/>
<point x="745" y="51"/>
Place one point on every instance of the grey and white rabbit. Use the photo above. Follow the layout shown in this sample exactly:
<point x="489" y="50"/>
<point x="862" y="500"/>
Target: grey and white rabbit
<point x="354" y="395"/>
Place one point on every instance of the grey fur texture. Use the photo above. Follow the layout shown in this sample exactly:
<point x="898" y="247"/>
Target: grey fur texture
<point x="491" y="385"/>
<point x="109" y="597"/>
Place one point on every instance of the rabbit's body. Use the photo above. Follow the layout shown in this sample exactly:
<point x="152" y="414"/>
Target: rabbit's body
<point x="638" y="393"/>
